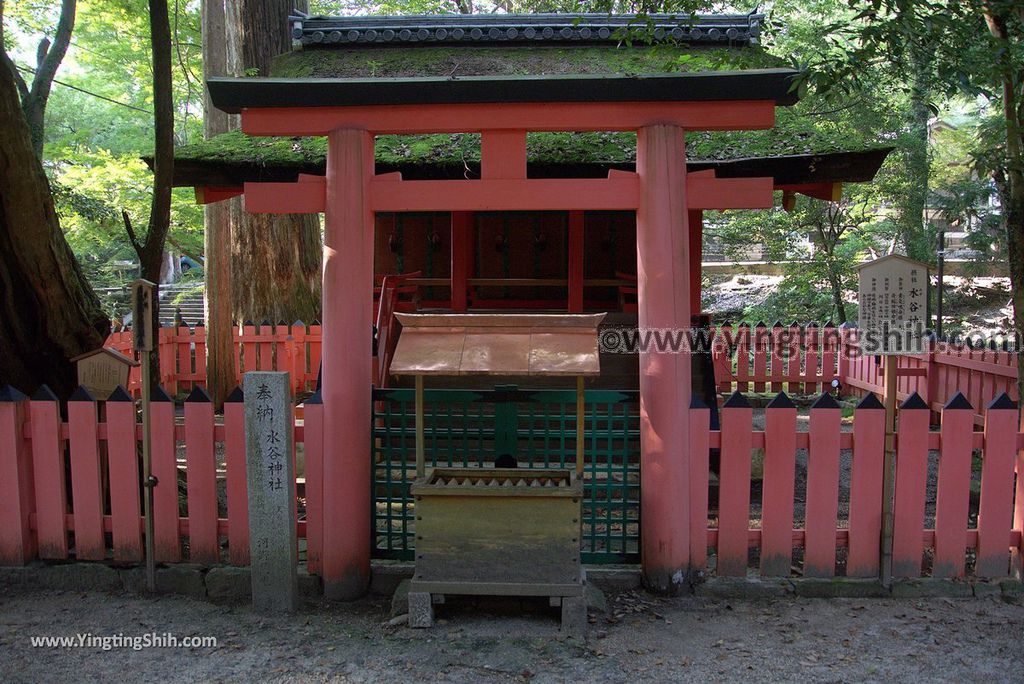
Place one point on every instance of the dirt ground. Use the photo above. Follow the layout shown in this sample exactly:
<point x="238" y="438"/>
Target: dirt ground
<point x="641" y="638"/>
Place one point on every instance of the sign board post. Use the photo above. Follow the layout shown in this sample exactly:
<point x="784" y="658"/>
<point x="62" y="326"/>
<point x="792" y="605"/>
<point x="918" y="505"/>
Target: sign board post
<point x="143" y="311"/>
<point x="893" y="299"/>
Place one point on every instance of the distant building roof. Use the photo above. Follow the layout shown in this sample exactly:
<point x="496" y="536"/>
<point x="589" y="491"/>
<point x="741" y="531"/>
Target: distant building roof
<point x="532" y="29"/>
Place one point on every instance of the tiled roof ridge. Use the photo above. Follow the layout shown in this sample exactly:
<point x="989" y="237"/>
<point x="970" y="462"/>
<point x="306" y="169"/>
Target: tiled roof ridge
<point x="503" y="29"/>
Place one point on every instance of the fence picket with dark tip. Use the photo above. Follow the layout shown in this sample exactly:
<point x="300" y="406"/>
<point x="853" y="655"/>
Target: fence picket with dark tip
<point x="760" y="344"/>
<point x="810" y="360"/>
<point x="236" y="478"/>
<point x="722" y="357"/>
<point x="86" y="483"/>
<point x="17" y="543"/>
<point x="166" y="533"/>
<point x="249" y="360"/>
<point x="201" y="477"/>
<point x="265" y="346"/>
<point x="123" y="458"/>
<point x="49" y="474"/>
<point x="300" y="369"/>
<point x="315" y="349"/>
<point x="953" y="495"/>
<point x="778" y="352"/>
<point x="743" y="344"/>
<point x="995" y="510"/>
<point x="822" y="488"/>
<point x="793" y="354"/>
<point x="778" y="484"/>
<point x="734" y="487"/>
<point x="829" y="351"/>
<point x="313" y="451"/>
<point x="183" y="342"/>
<point x="865" y="519"/>
<point x="700" y="432"/>
<point x="198" y="345"/>
<point x="168" y="355"/>
<point x="911" y="478"/>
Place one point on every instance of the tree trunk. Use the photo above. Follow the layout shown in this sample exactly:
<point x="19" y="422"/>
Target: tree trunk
<point x="915" y="159"/>
<point x="277" y="258"/>
<point x="220" y="58"/>
<point x="1012" y="188"/>
<point x="837" y="294"/>
<point x="151" y="248"/>
<point x="48" y="311"/>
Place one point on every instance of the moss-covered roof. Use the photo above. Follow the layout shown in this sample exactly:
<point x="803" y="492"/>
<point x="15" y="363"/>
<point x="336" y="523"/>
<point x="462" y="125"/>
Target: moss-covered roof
<point x="234" y="155"/>
<point x="515" y="61"/>
<point x="444" y="155"/>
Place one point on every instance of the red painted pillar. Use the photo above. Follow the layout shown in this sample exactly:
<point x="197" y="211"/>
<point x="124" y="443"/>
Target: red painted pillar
<point x="575" y="261"/>
<point x="462" y="254"/>
<point x="347" y="364"/>
<point x="696" y="218"/>
<point x="663" y="283"/>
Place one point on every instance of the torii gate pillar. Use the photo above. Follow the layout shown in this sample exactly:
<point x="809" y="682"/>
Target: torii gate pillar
<point x="663" y="281"/>
<point x="347" y="364"/>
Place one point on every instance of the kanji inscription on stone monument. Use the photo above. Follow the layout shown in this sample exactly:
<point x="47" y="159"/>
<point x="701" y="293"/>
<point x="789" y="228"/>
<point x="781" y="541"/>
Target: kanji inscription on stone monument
<point x="893" y="299"/>
<point x="270" y="470"/>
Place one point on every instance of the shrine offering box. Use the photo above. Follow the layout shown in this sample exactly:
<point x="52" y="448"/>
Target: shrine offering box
<point x="512" y="532"/>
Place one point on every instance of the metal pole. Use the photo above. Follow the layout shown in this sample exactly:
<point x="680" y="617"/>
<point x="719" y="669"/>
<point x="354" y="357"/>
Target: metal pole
<point x="421" y="465"/>
<point x="147" y="472"/>
<point x="888" y="479"/>
<point x="940" y="272"/>
<point x="145" y="328"/>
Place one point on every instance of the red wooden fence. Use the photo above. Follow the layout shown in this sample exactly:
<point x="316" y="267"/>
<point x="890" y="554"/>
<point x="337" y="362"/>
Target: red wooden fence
<point x="980" y="374"/>
<point x="200" y="503"/>
<point x="294" y="348"/>
<point x="805" y="360"/>
<point x="800" y="360"/>
<point x="952" y="542"/>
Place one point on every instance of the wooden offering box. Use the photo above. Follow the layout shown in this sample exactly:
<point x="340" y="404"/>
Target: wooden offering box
<point x="511" y="532"/>
<point x="497" y="531"/>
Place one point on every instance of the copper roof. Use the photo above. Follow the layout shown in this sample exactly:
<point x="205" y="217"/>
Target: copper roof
<point x="498" y="344"/>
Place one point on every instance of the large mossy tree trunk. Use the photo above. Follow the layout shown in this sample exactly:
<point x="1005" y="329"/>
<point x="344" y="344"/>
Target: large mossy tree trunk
<point x="220" y="58"/>
<point x="1006" y="26"/>
<point x="277" y="258"/>
<point x="913" y="232"/>
<point x="48" y="312"/>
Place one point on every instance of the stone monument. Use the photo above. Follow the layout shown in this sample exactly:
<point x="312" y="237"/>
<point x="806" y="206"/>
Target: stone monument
<point x="270" y="470"/>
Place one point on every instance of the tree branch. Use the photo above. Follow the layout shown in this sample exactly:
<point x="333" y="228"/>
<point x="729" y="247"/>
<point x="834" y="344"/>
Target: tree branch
<point x="132" y="237"/>
<point x="48" y="56"/>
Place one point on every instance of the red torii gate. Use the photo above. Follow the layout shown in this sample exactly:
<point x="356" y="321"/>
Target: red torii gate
<point x="660" y="109"/>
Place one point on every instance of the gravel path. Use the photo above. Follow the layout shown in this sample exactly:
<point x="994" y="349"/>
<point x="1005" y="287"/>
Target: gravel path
<point x="641" y="639"/>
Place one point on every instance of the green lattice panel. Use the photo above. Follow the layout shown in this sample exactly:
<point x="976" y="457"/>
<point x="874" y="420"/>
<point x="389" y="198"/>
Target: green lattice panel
<point x="466" y="429"/>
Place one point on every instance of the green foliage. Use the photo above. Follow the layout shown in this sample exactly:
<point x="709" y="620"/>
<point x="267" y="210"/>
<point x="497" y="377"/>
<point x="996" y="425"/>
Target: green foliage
<point x="99" y="123"/>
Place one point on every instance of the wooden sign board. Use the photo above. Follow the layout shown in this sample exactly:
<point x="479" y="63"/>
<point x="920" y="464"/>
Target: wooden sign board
<point x="102" y="370"/>
<point x="893" y="299"/>
<point x="143" y="293"/>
